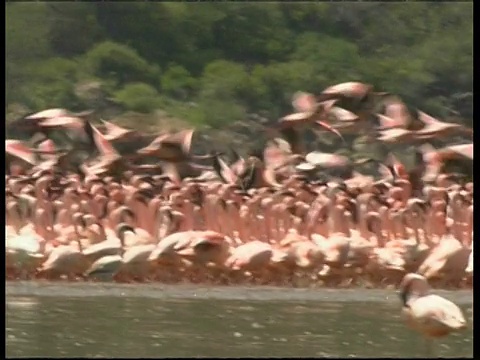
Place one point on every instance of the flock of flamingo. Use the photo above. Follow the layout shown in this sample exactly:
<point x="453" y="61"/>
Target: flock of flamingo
<point x="105" y="203"/>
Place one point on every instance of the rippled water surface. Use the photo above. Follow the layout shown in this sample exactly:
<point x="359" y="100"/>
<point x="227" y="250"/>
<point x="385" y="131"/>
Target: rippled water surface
<point x="96" y="320"/>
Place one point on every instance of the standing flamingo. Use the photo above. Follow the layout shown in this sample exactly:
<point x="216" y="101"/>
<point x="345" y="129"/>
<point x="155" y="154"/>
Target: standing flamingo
<point x="431" y="315"/>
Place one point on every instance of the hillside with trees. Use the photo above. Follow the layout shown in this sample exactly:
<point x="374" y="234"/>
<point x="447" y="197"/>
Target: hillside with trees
<point x="212" y="64"/>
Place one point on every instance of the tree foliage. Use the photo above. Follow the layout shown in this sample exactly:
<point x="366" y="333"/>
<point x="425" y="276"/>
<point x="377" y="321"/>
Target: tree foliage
<point x="138" y="97"/>
<point x="212" y="64"/>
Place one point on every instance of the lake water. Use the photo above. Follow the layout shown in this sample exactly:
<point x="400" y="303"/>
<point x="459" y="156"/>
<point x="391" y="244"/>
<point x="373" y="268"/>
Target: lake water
<point x="158" y="321"/>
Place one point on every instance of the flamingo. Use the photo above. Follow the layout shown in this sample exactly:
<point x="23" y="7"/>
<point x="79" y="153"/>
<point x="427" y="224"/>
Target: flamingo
<point x="431" y="315"/>
<point x="108" y="266"/>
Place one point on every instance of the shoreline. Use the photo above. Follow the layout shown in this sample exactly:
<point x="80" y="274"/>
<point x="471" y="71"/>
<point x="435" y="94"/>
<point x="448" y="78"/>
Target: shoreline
<point x="205" y="292"/>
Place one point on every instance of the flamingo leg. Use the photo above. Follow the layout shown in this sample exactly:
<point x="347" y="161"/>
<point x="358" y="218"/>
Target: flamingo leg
<point x="429" y="348"/>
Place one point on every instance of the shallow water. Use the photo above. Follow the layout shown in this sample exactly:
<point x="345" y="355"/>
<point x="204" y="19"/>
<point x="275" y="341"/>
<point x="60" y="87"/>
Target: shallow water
<point x="110" y="320"/>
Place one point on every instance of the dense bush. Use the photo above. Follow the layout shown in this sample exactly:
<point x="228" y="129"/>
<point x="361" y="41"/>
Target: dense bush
<point x="138" y="97"/>
<point x="178" y="83"/>
<point x="119" y="63"/>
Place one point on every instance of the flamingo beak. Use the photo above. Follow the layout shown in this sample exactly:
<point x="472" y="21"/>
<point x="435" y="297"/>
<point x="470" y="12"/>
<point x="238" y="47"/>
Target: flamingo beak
<point x="330" y="128"/>
<point x="153" y="257"/>
<point x="186" y="252"/>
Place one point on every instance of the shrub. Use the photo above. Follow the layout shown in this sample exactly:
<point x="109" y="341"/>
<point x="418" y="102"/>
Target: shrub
<point x="138" y="97"/>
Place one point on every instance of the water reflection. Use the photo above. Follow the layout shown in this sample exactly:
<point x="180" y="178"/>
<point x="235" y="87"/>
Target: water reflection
<point x="102" y="326"/>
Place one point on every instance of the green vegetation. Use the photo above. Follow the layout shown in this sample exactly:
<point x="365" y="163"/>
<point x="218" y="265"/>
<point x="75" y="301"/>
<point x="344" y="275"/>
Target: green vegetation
<point x="213" y="63"/>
